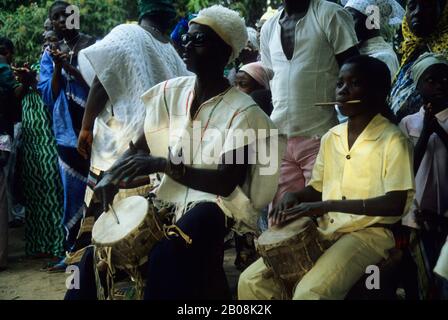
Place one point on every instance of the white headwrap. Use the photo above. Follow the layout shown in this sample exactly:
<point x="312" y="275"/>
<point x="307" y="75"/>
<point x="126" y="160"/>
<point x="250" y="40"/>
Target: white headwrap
<point x="391" y="11"/>
<point x="227" y="24"/>
<point x="424" y="62"/>
<point x="260" y="73"/>
<point x="252" y="42"/>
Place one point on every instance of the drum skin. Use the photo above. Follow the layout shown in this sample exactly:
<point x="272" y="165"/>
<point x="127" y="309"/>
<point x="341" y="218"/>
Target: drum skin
<point x="132" y="239"/>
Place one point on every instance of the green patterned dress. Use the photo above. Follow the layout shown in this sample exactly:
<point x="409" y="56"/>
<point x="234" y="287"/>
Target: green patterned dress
<point x="41" y="180"/>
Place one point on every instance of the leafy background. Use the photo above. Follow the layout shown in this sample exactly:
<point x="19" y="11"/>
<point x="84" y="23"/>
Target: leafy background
<point x="22" y="20"/>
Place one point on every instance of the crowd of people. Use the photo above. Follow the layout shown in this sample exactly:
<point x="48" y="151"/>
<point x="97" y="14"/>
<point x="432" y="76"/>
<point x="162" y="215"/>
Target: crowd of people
<point x="359" y="128"/>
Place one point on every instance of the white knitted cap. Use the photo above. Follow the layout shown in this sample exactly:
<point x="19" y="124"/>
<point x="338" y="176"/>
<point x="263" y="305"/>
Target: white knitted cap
<point x="227" y="24"/>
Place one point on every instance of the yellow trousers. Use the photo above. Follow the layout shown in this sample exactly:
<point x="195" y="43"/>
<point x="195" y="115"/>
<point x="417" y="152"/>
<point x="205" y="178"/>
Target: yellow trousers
<point x="334" y="273"/>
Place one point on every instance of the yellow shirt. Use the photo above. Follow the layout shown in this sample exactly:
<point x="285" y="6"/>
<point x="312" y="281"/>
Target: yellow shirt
<point x="379" y="161"/>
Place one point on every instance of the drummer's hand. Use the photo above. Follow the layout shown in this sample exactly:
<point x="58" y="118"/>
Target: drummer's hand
<point x="136" y="165"/>
<point x="308" y="209"/>
<point x="105" y="191"/>
<point x="277" y="215"/>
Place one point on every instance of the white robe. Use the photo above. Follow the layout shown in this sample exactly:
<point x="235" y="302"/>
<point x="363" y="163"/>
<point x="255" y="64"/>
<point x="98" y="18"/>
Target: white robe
<point x="127" y="62"/>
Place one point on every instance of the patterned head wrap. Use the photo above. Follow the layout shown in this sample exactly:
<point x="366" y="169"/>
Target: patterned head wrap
<point x="391" y="12"/>
<point x="424" y="62"/>
<point x="437" y="42"/>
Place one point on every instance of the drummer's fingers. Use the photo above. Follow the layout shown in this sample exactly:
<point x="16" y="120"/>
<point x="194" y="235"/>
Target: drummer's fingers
<point x="274" y="214"/>
<point x="119" y="171"/>
<point x="133" y="173"/>
<point x="117" y="167"/>
<point x="271" y="213"/>
<point x="124" y="173"/>
<point x="283" y="217"/>
<point x="291" y="210"/>
<point x="130" y="173"/>
<point x="280" y="216"/>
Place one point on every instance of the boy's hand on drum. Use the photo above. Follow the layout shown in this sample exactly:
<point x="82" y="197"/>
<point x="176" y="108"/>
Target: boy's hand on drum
<point x="277" y="214"/>
<point x="308" y="209"/>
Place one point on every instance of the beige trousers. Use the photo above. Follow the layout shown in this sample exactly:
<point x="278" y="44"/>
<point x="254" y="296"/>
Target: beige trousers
<point x="334" y="273"/>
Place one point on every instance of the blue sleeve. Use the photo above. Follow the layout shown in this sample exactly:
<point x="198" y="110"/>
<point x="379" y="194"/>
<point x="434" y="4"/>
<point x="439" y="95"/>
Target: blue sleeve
<point x="45" y="77"/>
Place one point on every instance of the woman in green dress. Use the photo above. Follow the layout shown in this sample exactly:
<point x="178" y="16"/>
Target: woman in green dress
<point x="42" y="184"/>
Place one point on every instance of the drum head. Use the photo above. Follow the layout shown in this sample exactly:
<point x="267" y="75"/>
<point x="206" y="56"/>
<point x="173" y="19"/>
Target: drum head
<point x="130" y="212"/>
<point x="278" y="234"/>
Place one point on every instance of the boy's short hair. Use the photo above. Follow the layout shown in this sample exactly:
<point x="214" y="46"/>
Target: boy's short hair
<point x="377" y="72"/>
<point x="55" y="4"/>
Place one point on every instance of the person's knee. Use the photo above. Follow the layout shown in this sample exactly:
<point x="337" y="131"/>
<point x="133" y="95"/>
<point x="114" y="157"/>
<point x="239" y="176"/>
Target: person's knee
<point x="252" y="284"/>
<point x="244" y="286"/>
<point x="303" y="292"/>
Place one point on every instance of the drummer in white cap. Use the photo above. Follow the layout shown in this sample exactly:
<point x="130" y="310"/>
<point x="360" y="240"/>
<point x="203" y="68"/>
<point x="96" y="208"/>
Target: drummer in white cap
<point x="209" y="192"/>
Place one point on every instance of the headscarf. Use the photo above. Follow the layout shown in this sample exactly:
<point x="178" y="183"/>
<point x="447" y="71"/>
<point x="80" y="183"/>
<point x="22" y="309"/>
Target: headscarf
<point x="424" y="62"/>
<point x="404" y="97"/>
<point x="252" y="41"/>
<point x="156" y="7"/>
<point x="437" y="42"/>
<point x="228" y="25"/>
<point x="390" y="10"/>
<point x="260" y="73"/>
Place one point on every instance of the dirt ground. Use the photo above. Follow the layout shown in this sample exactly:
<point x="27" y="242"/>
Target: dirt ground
<point x="23" y="280"/>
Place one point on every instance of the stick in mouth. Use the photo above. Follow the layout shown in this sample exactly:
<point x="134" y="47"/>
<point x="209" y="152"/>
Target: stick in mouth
<point x="326" y="104"/>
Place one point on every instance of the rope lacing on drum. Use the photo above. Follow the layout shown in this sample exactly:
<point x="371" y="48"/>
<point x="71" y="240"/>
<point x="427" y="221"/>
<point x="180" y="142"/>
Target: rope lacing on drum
<point x="175" y="231"/>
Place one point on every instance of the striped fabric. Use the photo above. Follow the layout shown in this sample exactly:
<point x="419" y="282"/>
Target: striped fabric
<point x="41" y="181"/>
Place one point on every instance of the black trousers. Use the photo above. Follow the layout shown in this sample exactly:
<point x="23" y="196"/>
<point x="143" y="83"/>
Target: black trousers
<point x="175" y="270"/>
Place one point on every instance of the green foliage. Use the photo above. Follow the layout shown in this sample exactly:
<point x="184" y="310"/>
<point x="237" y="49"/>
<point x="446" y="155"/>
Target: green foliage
<point x="11" y="5"/>
<point x="24" y="27"/>
<point x="99" y="17"/>
<point x="22" y="21"/>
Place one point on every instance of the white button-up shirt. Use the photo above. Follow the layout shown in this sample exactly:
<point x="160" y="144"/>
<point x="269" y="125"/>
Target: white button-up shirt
<point x="432" y="175"/>
<point x="311" y="75"/>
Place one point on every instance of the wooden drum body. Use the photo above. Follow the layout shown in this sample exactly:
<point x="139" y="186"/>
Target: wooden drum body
<point x="130" y="240"/>
<point x="290" y="252"/>
<point x="123" y="241"/>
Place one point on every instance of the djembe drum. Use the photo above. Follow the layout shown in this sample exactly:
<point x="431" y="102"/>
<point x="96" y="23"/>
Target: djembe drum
<point x="124" y="236"/>
<point x="290" y="252"/>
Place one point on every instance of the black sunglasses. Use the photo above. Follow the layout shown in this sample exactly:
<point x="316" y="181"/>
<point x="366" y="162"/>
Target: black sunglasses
<point x="198" y="39"/>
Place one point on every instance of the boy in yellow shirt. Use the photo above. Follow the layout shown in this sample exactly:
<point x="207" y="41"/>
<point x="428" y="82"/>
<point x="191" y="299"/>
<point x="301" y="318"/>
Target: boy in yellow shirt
<point x="362" y="182"/>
